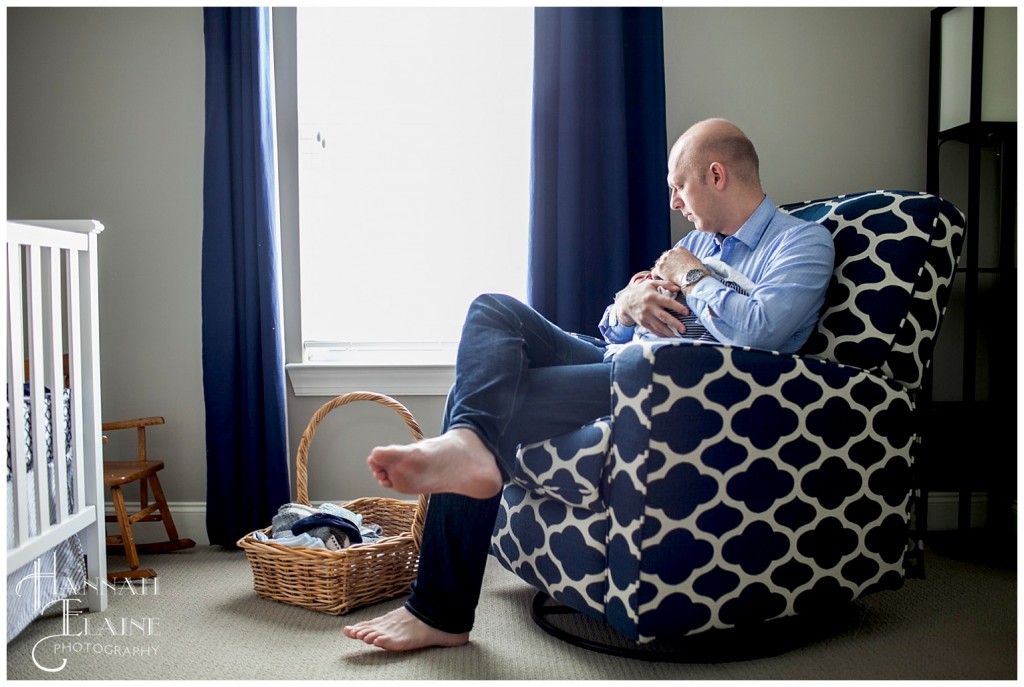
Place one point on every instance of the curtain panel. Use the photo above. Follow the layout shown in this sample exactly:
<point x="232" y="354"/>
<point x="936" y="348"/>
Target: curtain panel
<point x="599" y="205"/>
<point x="243" y="357"/>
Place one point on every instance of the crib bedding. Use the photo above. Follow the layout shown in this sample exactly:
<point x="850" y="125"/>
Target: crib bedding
<point x="61" y="570"/>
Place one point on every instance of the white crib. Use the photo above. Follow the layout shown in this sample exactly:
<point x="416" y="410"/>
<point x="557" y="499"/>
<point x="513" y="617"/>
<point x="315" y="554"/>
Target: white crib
<point x="56" y="525"/>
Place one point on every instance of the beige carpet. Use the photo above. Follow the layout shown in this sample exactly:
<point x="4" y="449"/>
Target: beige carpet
<point x="205" y="622"/>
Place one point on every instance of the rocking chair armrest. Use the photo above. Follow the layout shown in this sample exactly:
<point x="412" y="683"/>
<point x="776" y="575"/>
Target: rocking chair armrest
<point x="132" y="424"/>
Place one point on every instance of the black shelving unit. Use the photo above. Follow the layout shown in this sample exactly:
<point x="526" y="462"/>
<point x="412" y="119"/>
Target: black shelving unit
<point x="969" y="437"/>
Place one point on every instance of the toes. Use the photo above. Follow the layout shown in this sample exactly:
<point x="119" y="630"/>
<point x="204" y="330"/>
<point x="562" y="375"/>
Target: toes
<point x="372" y="638"/>
<point x="386" y="643"/>
<point x="358" y="631"/>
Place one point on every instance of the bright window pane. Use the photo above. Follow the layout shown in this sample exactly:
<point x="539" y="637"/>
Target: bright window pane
<point x="414" y="145"/>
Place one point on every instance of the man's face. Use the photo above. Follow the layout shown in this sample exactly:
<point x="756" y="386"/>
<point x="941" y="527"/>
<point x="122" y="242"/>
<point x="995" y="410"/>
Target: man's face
<point x="691" y="195"/>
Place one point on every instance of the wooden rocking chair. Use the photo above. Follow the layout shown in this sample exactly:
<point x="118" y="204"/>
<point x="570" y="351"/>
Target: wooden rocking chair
<point x="116" y="474"/>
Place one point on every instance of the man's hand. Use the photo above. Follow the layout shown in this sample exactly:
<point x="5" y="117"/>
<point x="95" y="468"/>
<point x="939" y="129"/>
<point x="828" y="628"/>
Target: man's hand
<point x="674" y="264"/>
<point x="640" y="303"/>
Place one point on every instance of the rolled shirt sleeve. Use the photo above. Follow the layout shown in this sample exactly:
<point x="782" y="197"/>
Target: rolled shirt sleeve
<point x="611" y="329"/>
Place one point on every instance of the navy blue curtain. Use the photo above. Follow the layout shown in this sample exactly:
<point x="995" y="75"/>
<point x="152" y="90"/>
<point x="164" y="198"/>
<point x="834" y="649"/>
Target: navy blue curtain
<point x="599" y="204"/>
<point x="243" y="358"/>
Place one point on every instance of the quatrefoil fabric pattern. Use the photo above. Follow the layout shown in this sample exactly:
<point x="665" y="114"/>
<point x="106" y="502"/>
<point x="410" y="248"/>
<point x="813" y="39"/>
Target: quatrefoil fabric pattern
<point x="730" y="486"/>
<point x="765" y="486"/>
<point x="895" y="257"/>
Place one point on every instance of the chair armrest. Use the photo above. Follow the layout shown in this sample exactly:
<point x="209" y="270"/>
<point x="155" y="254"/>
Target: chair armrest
<point x="569" y="467"/>
<point x="751" y="472"/>
<point x="132" y="424"/>
<point x="139" y="425"/>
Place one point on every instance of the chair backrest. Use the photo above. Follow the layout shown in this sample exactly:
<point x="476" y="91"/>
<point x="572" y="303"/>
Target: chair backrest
<point x="896" y="254"/>
<point x="139" y="425"/>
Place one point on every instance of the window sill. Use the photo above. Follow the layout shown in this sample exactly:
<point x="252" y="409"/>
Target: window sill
<point x="402" y="379"/>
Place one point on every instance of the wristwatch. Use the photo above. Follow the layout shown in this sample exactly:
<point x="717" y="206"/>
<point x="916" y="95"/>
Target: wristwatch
<point x="692" y="277"/>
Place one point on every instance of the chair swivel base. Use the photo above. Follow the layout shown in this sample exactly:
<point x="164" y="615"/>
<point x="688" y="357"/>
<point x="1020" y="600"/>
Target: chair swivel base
<point x="762" y="640"/>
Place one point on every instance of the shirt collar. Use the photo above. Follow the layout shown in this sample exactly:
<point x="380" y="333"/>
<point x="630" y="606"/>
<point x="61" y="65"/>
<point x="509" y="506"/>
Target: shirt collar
<point x="752" y="230"/>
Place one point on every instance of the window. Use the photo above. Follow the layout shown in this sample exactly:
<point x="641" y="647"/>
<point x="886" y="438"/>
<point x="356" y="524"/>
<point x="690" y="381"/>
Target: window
<point x="414" y="174"/>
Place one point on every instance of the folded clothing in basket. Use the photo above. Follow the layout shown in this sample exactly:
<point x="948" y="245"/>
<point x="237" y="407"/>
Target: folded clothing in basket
<point x="329" y="527"/>
<point x="325" y="525"/>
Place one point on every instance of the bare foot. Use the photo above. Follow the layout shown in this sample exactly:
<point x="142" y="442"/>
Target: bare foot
<point x="400" y="630"/>
<point x="456" y="462"/>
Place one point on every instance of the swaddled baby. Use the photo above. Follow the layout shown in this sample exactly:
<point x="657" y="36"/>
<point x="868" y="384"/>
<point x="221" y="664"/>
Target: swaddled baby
<point x="694" y="328"/>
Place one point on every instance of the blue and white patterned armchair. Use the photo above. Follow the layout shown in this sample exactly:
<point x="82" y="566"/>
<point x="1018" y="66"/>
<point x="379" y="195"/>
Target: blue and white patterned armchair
<point x="730" y="486"/>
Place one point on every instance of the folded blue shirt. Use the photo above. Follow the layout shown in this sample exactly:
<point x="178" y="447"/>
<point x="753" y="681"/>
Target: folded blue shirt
<point x="350" y="529"/>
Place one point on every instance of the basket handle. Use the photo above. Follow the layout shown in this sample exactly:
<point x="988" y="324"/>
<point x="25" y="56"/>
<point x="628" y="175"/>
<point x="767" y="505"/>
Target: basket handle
<point x="302" y="458"/>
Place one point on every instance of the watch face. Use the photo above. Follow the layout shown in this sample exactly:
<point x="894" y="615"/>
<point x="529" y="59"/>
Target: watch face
<point x="694" y="275"/>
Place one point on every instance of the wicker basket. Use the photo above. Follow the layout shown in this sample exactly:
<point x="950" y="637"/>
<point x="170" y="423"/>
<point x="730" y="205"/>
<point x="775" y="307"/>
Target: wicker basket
<point x="337" y="582"/>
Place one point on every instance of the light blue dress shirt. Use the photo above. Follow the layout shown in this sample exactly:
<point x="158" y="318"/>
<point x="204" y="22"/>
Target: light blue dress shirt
<point x="790" y="261"/>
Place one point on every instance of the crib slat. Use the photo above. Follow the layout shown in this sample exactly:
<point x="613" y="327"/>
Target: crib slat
<point x="15" y="401"/>
<point x="55" y="380"/>
<point x="37" y="387"/>
<point x="75" y="373"/>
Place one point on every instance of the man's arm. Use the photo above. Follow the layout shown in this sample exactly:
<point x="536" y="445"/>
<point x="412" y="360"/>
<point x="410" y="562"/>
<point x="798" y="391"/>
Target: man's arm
<point x="640" y="303"/>
<point x="787" y="292"/>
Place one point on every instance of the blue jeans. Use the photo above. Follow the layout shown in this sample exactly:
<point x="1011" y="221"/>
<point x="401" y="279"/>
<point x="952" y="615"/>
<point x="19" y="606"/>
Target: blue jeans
<point x="518" y="379"/>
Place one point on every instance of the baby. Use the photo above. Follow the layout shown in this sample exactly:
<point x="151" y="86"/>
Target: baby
<point x="695" y="329"/>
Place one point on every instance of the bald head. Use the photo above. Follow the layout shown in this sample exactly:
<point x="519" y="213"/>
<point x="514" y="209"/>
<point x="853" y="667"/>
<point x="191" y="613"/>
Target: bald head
<point x="717" y="140"/>
<point x="713" y="176"/>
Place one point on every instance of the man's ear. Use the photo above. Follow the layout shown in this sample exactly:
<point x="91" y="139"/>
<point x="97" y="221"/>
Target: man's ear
<point x="718" y="175"/>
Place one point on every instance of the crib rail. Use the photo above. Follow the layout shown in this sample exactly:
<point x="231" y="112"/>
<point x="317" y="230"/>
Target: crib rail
<point x="52" y="343"/>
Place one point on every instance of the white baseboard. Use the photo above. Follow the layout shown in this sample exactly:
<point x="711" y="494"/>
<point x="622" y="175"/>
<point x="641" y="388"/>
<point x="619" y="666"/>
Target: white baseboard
<point x="190" y="517"/>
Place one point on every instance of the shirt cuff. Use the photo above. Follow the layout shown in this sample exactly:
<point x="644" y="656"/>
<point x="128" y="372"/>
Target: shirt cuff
<point x="705" y="288"/>
<point x="612" y="330"/>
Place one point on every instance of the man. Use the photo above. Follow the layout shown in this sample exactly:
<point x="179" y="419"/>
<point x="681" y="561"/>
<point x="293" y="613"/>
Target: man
<point x="519" y="379"/>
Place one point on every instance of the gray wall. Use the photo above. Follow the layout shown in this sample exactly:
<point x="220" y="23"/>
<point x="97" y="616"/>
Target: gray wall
<point x="105" y="121"/>
<point x="835" y="99"/>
